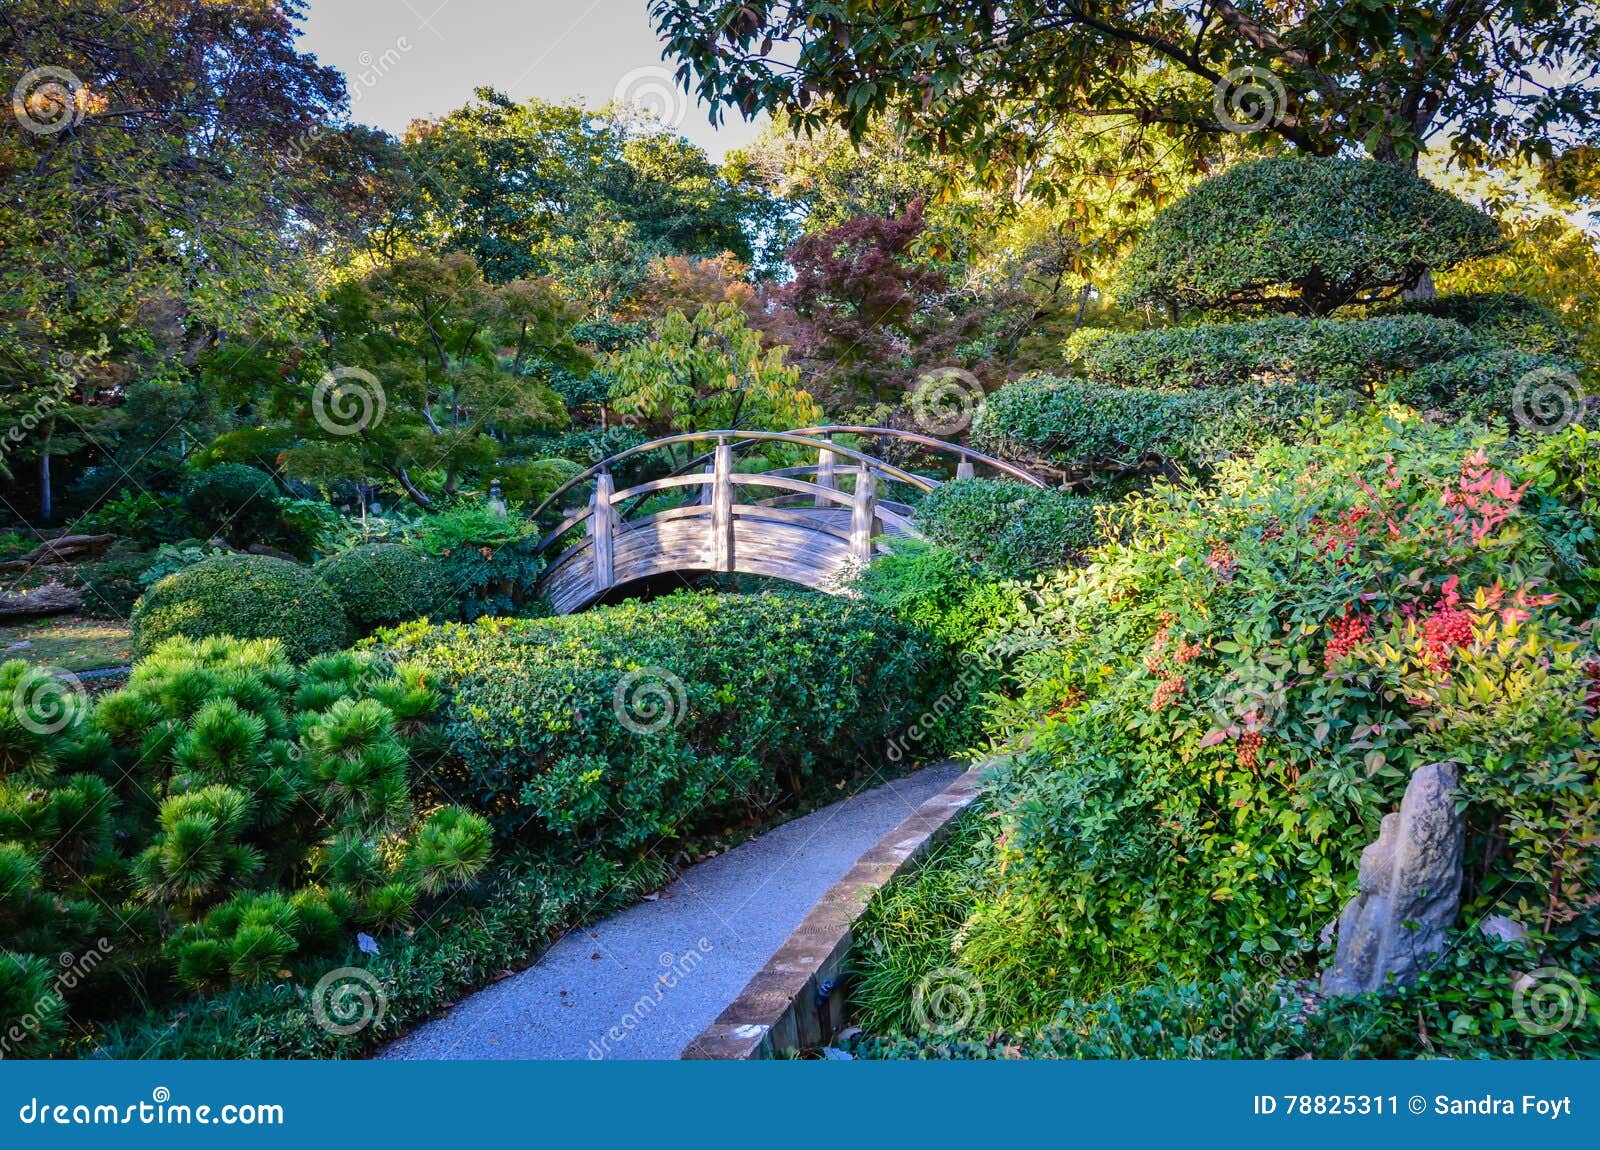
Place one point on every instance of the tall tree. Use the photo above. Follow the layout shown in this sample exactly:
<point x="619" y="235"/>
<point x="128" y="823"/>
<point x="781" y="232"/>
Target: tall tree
<point x="156" y="180"/>
<point x="982" y="79"/>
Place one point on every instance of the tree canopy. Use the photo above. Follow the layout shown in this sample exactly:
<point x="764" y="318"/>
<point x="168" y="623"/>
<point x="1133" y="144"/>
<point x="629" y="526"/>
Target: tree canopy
<point x="987" y="81"/>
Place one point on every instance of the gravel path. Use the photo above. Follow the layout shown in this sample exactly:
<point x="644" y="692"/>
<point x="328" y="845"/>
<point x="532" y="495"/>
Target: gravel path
<point x="643" y="983"/>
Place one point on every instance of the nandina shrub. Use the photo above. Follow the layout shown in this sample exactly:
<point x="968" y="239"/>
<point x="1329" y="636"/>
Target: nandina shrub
<point x="1216" y="714"/>
<point x="614" y="729"/>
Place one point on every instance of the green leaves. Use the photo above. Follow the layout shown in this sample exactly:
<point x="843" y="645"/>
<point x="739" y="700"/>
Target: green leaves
<point x="1301" y="234"/>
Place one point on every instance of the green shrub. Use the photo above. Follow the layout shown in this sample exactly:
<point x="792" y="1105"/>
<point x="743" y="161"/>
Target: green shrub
<point x="1085" y="427"/>
<point x="235" y="501"/>
<point x="248" y="597"/>
<point x="1303" y="234"/>
<point x="488" y="559"/>
<point x="223" y="817"/>
<point x="1012" y="529"/>
<point x="1217" y="714"/>
<point x="612" y="729"/>
<point x="1504" y="318"/>
<point x="1335" y="353"/>
<point x="1521" y="387"/>
<point x="381" y="584"/>
<point x="532" y="482"/>
<point x="937" y="591"/>
<point x="143" y="519"/>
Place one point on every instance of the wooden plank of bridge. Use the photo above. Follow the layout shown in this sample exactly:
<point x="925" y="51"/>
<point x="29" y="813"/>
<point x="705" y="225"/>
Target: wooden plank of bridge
<point x="722" y="558"/>
<point x="603" y="530"/>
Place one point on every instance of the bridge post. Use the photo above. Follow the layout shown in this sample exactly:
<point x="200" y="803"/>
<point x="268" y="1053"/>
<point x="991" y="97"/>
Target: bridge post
<point x="964" y="468"/>
<point x="602" y="529"/>
<point x="825" y="477"/>
<point x="722" y="508"/>
<point x="864" y="516"/>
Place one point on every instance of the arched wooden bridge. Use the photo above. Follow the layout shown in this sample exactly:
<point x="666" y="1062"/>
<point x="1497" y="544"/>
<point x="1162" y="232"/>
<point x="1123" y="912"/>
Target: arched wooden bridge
<point x="819" y="520"/>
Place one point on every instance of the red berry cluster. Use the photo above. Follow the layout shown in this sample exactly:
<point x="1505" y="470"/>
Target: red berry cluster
<point x="1221" y="561"/>
<point x="1249" y="749"/>
<point x="1344" y="633"/>
<point x="1167" y="693"/>
<point x="1443" y="631"/>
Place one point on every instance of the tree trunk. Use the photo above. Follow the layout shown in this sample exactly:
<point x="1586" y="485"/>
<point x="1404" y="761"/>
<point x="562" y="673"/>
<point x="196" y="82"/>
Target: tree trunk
<point x="46" y="502"/>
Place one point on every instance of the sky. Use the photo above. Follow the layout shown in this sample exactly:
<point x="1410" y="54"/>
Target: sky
<point x="410" y="59"/>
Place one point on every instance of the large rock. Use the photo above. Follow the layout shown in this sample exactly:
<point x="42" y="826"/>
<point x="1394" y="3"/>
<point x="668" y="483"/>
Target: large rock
<point x="1410" y="890"/>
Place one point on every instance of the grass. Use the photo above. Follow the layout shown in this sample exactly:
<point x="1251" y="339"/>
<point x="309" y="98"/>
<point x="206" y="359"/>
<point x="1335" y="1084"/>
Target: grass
<point x="68" y="642"/>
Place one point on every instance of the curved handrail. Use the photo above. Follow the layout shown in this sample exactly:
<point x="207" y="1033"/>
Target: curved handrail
<point x="806" y="437"/>
<point x="1010" y="469"/>
<point x="887" y="469"/>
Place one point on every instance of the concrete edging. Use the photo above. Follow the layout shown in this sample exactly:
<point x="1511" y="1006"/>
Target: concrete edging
<point x="797" y="999"/>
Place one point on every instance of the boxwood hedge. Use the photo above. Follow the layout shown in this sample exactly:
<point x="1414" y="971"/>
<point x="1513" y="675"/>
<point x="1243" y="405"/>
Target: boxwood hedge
<point x="381" y="584"/>
<point x="614" y="729"/>
<point x="1349" y="353"/>
<point x="1085" y="426"/>
<point x="1012" y="529"/>
<point x="248" y="597"/>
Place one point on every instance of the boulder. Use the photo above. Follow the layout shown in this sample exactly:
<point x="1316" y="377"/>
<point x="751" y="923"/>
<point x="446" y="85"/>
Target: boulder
<point x="1410" y="890"/>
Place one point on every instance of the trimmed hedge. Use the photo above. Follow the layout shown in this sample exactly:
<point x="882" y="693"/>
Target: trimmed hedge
<point x="381" y="584"/>
<point x="1487" y="384"/>
<point x="1012" y="529"/>
<point x="1304" y="234"/>
<point x="1088" y="426"/>
<point x="248" y="597"/>
<point x="1512" y="320"/>
<point x="1351" y="353"/>
<point x="610" y="730"/>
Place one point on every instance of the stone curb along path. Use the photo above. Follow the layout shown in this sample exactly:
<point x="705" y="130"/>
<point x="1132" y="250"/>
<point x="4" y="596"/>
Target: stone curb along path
<point x="644" y="982"/>
<point x="797" y="1001"/>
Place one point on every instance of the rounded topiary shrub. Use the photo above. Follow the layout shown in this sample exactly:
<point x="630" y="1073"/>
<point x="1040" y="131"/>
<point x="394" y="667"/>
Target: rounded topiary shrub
<point x="235" y="501"/>
<point x="381" y="584"/>
<point x="248" y="597"/>
<point x="1302" y="234"/>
